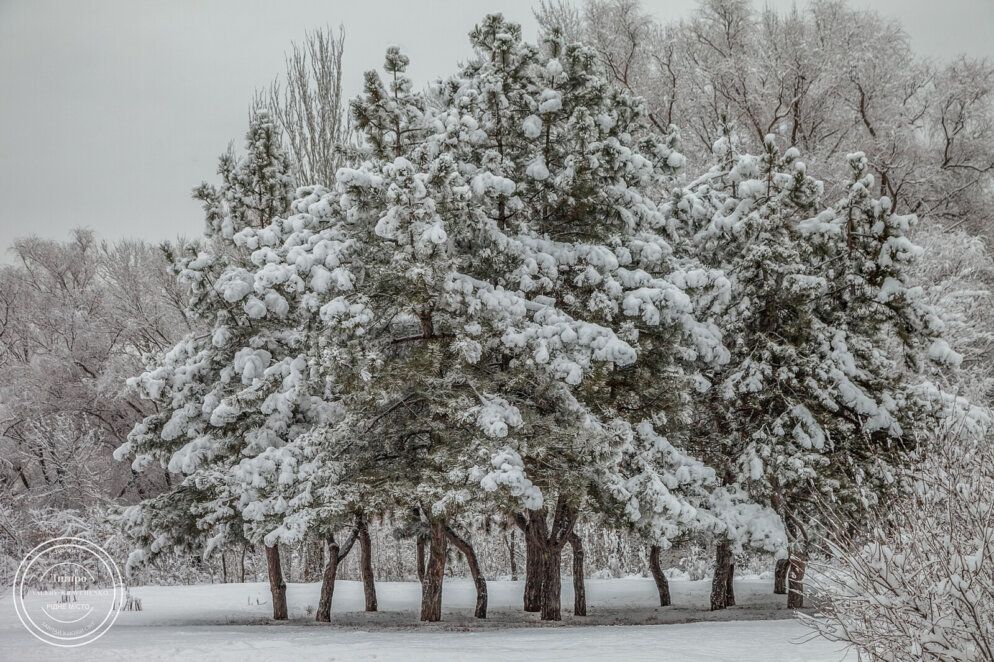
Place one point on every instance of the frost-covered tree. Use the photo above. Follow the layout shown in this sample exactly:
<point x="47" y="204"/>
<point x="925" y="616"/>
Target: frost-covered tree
<point x="956" y="270"/>
<point x="71" y="325"/>
<point x="76" y="317"/>
<point x="376" y="269"/>
<point x="919" y="585"/>
<point x="566" y="168"/>
<point x="830" y="78"/>
<point x="309" y="108"/>
<point x="823" y="393"/>
<point x="234" y="390"/>
<point x="389" y="116"/>
<point x="473" y="286"/>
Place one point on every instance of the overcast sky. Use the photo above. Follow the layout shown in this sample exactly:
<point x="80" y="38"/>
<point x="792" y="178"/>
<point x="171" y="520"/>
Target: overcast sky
<point x="112" y="110"/>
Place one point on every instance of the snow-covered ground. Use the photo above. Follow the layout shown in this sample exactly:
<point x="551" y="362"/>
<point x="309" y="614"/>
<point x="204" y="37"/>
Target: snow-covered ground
<point x="229" y="622"/>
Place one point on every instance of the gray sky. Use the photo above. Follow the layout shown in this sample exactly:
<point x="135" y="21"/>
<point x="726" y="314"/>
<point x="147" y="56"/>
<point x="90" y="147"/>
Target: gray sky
<point x="112" y="110"/>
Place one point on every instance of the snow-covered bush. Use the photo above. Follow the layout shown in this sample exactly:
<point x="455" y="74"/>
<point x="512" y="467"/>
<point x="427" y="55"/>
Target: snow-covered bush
<point x="920" y="585"/>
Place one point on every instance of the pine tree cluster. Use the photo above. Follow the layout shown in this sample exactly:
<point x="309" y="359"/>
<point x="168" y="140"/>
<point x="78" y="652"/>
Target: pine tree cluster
<point x="514" y="303"/>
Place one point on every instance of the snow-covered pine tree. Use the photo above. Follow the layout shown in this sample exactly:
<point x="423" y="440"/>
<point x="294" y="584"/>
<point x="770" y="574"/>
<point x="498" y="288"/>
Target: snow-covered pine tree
<point x="410" y="346"/>
<point x="434" y="354"/>
<point x="565" y="169"/>
<point x="389" y="117"/>
<point x="319" y="487"/>
<point x="819" y="401"/>
<point x="235" y="391"/>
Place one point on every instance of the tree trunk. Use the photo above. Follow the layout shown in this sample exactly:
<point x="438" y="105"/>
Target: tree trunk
<point x="328" y="582"/>
<point x="780" y="577"/>
<point x="550" y="543"/>
<point x="543" y="582"/>
<point x="335" y="556"/>
<point x="276" y="584"/>
<point x="317" y="566"/>
<point x="719" y="584"/>
<point x="420" y="561"/>
<point x="431" y="587"/>
<point x="224" y="568"/>
<point x="313" y="560"/>
<point x="798" y="564"/>
<point x="729" y="592"/>
<point x="244" y="549"/>
<point x="662" y="586"/>
<point x="474" y="570"/>
<point x="552" y="585"/>
<point x="534" y="572"/>
<point x="366" y="563"/>
<point x="797" y="550"/>
<point x="579" y="590"/>
<point x="510" y="552"/>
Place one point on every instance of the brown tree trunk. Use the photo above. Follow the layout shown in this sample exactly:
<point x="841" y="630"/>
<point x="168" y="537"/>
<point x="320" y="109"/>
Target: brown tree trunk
<point x="552" y="609"/>
<point x="780" y="577"/>
<point x="366" y="563"/>
<point x="335" y="556"/>
<point x="719" y="584"/>
<point x="579" y="590"/>
<point x="420" y="560"/>
<point x="662" y="586"/>
<point x="276" y="584"/>
<point x="328" y="584"/>
<point x="797" y="549"/>
<point x="550" y="544"/>
<point x="509" y="538"/>
<point x="729" y="591"/>
<point x="305" y="561"/>
<point x="798" y="564"/>
<point x="474" y="570"/>
<point x="431" y="587"/>
<point x="534" y="571"/>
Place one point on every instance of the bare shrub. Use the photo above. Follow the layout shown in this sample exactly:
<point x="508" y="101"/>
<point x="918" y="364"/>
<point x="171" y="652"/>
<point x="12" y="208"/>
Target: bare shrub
<point x="920" y="586"/>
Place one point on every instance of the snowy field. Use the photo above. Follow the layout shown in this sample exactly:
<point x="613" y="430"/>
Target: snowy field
<point x="230" y="622"/>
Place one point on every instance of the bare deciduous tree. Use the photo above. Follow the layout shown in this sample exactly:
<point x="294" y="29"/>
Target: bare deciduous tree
<point x="309" y="107"/>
